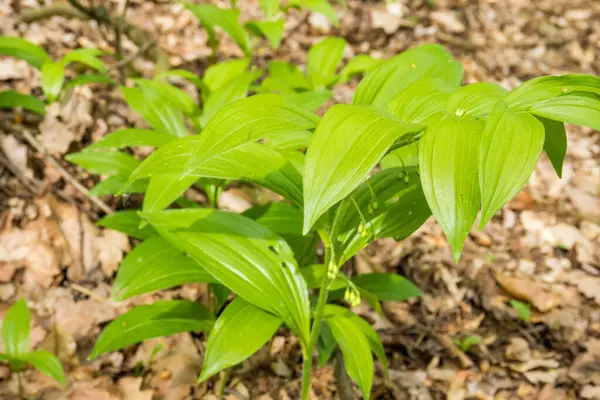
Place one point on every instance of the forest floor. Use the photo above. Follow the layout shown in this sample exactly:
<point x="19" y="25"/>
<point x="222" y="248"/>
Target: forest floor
<point x="543" y="248"/>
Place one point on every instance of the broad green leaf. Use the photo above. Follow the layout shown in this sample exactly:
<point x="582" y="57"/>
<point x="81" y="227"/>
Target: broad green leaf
<point x="476" y="100"/>
<point x="355" y="349"/>
<point x="128" y="222"/>
<point x="523" y="309"/>
<point x="406" y="156"/>
<point x="240" y="331"/>
<point x="15" y="330"/>
<point x="448" y="162"/>
<point x="325" y="345"/>
<point x="426" y="61"/>
<point x="555" y="143"/>
<point x="219" y="74"/>
<point x="89" y="79"/>
<point x="289" y="141"/>
<point x="168" y="93"/>
<point x="23" y="49"/>
<point x="117" y="184"/>
<point x="543" y="88"/>
<point x="87" y="57"/>
<point x="243" y="255"/>
<point x="370" y="334"/>
<point x="154" y="265"/>
<point x="284" y="77"/>
<point x="104" y="162"/>
<point x="211" y="16"/>
<point x="162" y="116"/>
<point x="572" y="109"/>
<point x="323" y="60"/>
<point x="311" y="100"/>
<point x="131" y="137"/>
<point x="270" y="8"/>
<point x="53" y="77"/>
<point x="229" y="92"/>
<point x="390" y="204"/>
<point x="314" y="274"/>
<point x="162" y="318"/>
<point x="387" y="287"/>
<point x="347" y="144"/>
<point x="422" y="100"/>
<point x="358" y="65"/>
<point x="272" y="30"/>
<point x="286" y="221"/>
<point x="321" y="7"/>
<point x="510" y="147"/>
<point x="46" y="363"/>
<point x="165" y="189"/>
<point x="11" y="99"/>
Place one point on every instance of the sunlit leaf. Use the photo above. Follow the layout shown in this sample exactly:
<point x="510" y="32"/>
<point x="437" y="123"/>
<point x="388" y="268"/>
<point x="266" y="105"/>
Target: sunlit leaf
<point x="272" y="30"/>
<point x="239" y="332"/>
<point x="510" y="147"/>
<point x="46" y="363"/>
<point x="86" y="56"/>
<point x="323" y="60"/>
<point x="162" y="318"/>
<point x="130" y="137"/>
<point x="426" y="61"/>
<point x="15" y="330"/>
<point x="476" y="100"/>
<point x="20" y="48"/>
<point x="169" y="94"/>
<point x="87" y="79"/>
<point x="285" y="77"/>
<point x="311" y="100"/>
<point x="448" y="162"/>
<point x="219" y="74"/>
<point x="104" y="162"/>
<point x="128" y="222"/>
<point x="576" y="109"/>
<point x="11" y="99"/>
<point x="358" y="65"/>
<point x="422" y="100"/>
<point x="289" y="141"/>
<point x="321" y="7"/>
<point x="117" y="184"/>
<point x="270" y="8"/>
<point x="53" y="77"/>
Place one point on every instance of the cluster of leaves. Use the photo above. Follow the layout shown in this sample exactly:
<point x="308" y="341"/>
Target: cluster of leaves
<point x="52" y="72"/>
<point x="15" y="341"/>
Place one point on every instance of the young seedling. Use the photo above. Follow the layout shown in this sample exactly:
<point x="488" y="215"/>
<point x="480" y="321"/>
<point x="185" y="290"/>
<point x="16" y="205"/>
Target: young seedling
<point x="468" y="342"/>
<point x="15" y="343"/>
<point x="523" y="309"/>
<point x="442" y="149"/>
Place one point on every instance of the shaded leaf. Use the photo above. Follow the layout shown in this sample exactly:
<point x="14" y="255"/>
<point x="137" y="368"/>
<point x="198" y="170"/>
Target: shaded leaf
<point x="555" y="143"/>
<point x="20" y="48"/>
<point x="325" y="345"/>
<point x="240" y="331"/>
<point x="11" y="99"/>
<point x="162" y="318"/>
<point x="104" y="162"/>
<point x="87" y="79"/>
<point x="53" y="77"/>
<point x="130" y="137"/>
<point x="323" y="60"/>
<point x="314" y="274"/>
<point x="154" y="265"/>
<point x="15" y="330"/>
<point x="128" y="222"/>
<point x="46" y="363"/>
<point x="448" y="160"/>
<point x="387" y="287"/>
<point x="426" y="61"/>
<point x="510" y="147"/>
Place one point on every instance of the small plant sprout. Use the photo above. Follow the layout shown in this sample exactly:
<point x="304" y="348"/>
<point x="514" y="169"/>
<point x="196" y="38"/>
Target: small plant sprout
<point x="15" y="346"/>
<point x="414" y="143"/>
<point x="522" y="309"/>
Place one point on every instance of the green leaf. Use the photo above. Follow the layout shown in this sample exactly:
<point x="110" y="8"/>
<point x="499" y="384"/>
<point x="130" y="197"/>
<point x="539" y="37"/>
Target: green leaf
<point x="543" y="88"/>
<point x="476" y="100"/>
<point x="87" y="57"/>
<point x="286" y="221"/>
<point x="311" y="100"/>
<point x="387" y="287"/>
<point x="187" y="75"/>
<point x="162" y="318"/>
<point x="46" y="363"/>
<point x="127" y="222"/>
<point x="325" y="345"/>
<point x="131" y="137"/>
<point x="229" y="92"/>
<point x="161" y="115"/>
<point x="169" y="94"/>
<point x="555" y="143"/>
<point x="523" y="309"/>
<point x="448" y="162"/>
<point x="347" y="144"/>
<point x="211" y="16"/>
<point x="89" y="79"/>
<point x="104" y="162"/>
<point x="272" y="30"/>
<point x="321" y="7"/>
<point x="422" y="100"/>
<point x="240" y="331"/>
<point x="323" y="60"/>
<point x="154" y="265"/>
<point x="116" y="184"/>
<point x="510" y="147"/>
<point x="243" y="255"/>
<point x="468" y="342"/>
<point x="269" y="7"/>
<point x="355" y="349"/>
<point x="390" y="204"/>
<point x="289" y="141"/>
<point x="426" y="61"/>
<point x="53" y="77"/>
<point x="219" y="74"/>
<point x="313" y="275"/>
<point x="23" y="49"/>
<point x="15" y="330"/>
<point x="572" y="109"/>
<point x="406" y="156"/>
<point x="358" y="65"/>
<point x="285" y="77"/>
<point x="11" y="99"/>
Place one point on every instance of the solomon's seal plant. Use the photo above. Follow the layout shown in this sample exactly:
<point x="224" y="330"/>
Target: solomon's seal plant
<point x="412" y="144"/>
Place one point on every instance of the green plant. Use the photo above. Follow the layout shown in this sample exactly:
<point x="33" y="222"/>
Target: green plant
<point x="522" y="309"/>
<point x="15" y="342"/>
<point x="468" y="342"/>
<point x="413" y="143"/>
<point x="52" y="73"/>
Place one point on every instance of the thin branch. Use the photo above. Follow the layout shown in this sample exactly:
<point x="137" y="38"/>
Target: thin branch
<point x="126" y="61"/>
<point x="63" y="10"/>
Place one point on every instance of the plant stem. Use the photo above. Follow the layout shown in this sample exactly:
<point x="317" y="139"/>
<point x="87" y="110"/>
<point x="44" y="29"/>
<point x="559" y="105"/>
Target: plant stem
<point x="21" y="397"/>
<point x="316" y="327"/>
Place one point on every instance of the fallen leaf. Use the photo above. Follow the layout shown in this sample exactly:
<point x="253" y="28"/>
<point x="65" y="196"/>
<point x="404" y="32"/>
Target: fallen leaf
<point x="527" y="290"/>
<point x="131" y="389"/>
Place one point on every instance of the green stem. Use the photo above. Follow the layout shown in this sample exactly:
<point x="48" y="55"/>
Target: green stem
<point x="316" y="327"/>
